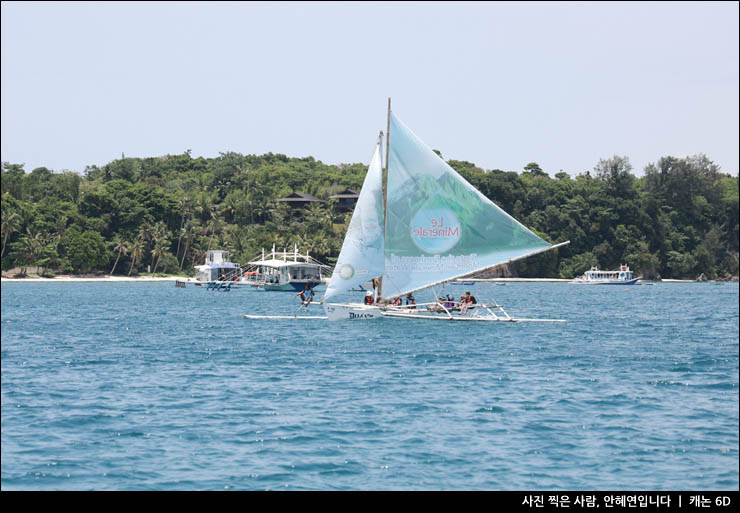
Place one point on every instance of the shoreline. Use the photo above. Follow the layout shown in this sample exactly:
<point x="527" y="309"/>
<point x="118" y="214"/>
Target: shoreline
<point x="149" y="279"/>
<point x="101" y="279"/>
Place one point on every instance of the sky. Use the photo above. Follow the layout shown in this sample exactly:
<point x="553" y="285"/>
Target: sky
<point x="498" y="84"/>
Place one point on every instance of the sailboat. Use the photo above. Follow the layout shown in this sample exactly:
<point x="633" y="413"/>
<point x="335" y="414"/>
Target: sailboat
<point x="418" y="224"/>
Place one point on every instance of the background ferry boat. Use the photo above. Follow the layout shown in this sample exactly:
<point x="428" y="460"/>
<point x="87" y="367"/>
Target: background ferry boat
<point x="218" y="270"/>
<point x="286" y="271"/>
<point x="622" y="276"/>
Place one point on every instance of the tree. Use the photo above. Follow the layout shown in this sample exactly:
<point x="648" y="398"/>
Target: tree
<point x="28" y="250"/>
<point x="161" y="248"/>
<point x="213" y="225"/>
<point x="85" y="250"/>
<point x="12" y="180"/>
<point x="534" y="169"/>
<point x="190" y="230"/>
<point x="137" y="251"/>
<point x="120" y="246"/>
<point x="678" y="220"/>
<point x="185" y="205"/>
<point x="159" y="236"/>
<point x="616" y="172"/>
<point x="10" y="223"/>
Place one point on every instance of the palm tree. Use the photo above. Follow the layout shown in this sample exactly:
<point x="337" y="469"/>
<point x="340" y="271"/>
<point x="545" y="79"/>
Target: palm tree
<point x="322" y="246"/>
<point x="30" y="247"/>
<point x="204" y="204"/>
<point x="190" y="229"/>
<point x="145" y="235"/>
<point x="185" y="204"/>
<point x="265" y="209"/>
<point x="197" y="253"/>
<point x="319" y="215"/>
<point x="214" y="224"/>
<point x="10" y="223"/>
<point x="159" y="233"/>
<point x="137" y="251"/>
<point x="120" y="247"/>
<point x="229" y="207"/>
<point x="236" y="238"/>
<point x="304" y="242"/>
<point x="161" y="246"/>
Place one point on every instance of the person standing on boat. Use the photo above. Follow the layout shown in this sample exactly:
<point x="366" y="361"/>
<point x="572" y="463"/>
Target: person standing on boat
<point x="306" y="295"/>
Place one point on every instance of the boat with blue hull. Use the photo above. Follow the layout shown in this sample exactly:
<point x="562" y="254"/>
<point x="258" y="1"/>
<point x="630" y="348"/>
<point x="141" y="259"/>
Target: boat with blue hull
<point x="594" y="276"/>
<point x="285" y="271"/>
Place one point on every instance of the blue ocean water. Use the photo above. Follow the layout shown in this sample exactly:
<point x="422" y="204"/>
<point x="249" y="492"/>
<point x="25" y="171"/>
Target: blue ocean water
<point x="145" y="386"/>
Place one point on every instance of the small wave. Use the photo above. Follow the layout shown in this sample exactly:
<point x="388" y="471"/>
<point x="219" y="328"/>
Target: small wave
<point x="490" y="409"/>
<point x="671" y="383"/>
<point x="717" y="386"/>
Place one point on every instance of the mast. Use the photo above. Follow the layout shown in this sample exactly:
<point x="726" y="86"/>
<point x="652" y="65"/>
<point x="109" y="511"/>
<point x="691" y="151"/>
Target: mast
<point x="379" y="291"/>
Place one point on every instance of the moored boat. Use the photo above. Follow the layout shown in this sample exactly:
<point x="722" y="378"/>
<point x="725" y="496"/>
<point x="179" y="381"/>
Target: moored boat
<point x="594" y="276"/>
<point x="217" y="272"/>
<point x="285" y="271"/>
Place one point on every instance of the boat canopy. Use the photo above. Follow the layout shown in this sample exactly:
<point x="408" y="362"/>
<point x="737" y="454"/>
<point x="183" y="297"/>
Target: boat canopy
<point x="275" y="263"/>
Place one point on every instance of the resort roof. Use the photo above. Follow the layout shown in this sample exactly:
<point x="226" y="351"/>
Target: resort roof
<point x="299" y="197"/>
<point x="346" y="193"/>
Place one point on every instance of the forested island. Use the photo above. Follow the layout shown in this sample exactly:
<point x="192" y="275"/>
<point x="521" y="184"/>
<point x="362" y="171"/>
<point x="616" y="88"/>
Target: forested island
<point x="678" y="220"/>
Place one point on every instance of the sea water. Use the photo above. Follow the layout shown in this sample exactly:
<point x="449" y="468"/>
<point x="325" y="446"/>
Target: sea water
<point x="146" y="386"/>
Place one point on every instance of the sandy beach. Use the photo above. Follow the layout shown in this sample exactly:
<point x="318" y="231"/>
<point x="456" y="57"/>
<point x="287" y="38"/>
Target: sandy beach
<point x="72" y="279"/>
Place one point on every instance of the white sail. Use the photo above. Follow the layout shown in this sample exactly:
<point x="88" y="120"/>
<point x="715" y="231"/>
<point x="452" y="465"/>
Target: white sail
<point x="440" y="227"/>
<point x="362" y="255"/>
<point x="435" y="227"/>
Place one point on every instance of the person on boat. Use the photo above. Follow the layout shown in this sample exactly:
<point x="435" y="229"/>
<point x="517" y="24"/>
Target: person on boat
<point x="397" y="301"/>
<point x="306" y="295"/>
<point x="449" y="302"/>
<point x="368" y="297"/>
<point x="410" y="301"/>
<point x="437" y="307"/>
<point x="466" y="302"/>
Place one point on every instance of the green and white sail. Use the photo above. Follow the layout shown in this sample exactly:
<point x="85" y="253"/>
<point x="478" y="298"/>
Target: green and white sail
<point x="439" y="227"/>
<point x="362" y="256"/>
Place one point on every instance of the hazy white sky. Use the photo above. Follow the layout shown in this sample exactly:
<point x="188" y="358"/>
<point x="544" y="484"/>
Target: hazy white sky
<point x="497" y="84"/>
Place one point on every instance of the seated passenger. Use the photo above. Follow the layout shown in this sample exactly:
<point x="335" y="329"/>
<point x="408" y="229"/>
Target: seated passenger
<point x="410" y="301"/>
<point x="438" y="306"/>
<point x="467" y="302"/>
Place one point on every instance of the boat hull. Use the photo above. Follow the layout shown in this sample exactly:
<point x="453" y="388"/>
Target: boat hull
<point x="606" y="282"/>
<point x="290" y="286"/>
<point x="351" y="312"/>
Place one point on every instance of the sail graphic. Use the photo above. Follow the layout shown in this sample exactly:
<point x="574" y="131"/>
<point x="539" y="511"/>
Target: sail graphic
<point x="362" y="257"/>
<point x="440" y="227"/>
